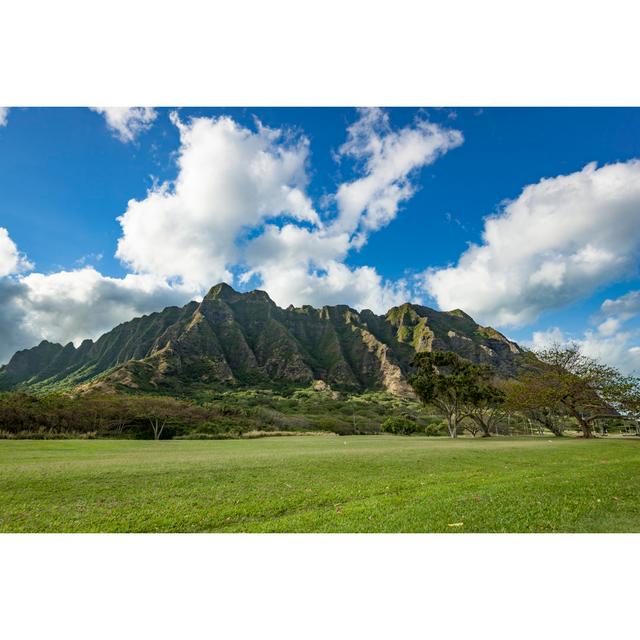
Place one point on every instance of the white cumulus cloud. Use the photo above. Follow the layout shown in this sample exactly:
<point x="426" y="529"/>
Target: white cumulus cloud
<point x="239" y="204"/>
<point x="556" y="243"/>
<point x="83" y="303"/>
<point x="127" y="123"/>
<point x="73" y="305"/>
<point x="230" y="179"/>
<point x="306" y="266"/>
<point x="4" y="116"/>
<point x="359" y="287"/>
<point x="11" y="260"/>
<point x="70" y="305"/>
<point x="624" y="308"/>
<point x="389" y="157"/>
<point x="616" y="349"/>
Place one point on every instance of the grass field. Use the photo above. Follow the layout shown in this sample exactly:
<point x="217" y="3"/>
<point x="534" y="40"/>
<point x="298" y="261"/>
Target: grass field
<point x="321" y="484"/>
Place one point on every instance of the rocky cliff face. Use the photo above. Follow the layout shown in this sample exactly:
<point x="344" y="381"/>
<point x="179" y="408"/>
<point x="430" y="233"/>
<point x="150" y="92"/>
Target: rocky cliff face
<point x="233" y="338"/>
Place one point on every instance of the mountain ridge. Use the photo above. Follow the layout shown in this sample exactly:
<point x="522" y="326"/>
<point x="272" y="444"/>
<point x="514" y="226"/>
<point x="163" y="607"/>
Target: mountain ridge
<point x="244" y="339"/>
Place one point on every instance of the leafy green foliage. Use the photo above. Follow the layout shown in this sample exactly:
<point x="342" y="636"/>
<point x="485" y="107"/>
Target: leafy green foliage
<point x="401" y="425"/>
<point x="486" y="405"/>
<point x="453" y="385"/>
<point x="230" y="413"/>
<point x="569" y="382"/>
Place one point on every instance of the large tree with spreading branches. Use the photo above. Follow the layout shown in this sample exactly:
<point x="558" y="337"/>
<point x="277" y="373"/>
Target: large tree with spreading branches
<point x="582" y="387"/>
<point x="486" y="405"/>
<point x="532" y="397"/>
<point x="455" y="386"/>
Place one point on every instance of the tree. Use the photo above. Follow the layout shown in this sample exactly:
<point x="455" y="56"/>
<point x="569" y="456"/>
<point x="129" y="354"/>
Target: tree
<point x="583" y="387"/>
<point x="100" y="414"/>
<point x="450" y="383"/>
<point x="537" y="401"/>
<point x="159" y="411"/>
<point x="631" y="409"/>
<point x="486" y="405"/>
<point x="401" y="425"/>
<point x="472" y="427"/>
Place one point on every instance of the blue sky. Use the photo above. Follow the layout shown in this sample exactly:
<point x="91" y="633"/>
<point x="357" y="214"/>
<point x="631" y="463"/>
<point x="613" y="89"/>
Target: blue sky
<point x="66" y="176"/>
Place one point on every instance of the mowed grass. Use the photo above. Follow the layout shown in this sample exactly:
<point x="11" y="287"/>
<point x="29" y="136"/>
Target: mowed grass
<point x="321" y="484"/>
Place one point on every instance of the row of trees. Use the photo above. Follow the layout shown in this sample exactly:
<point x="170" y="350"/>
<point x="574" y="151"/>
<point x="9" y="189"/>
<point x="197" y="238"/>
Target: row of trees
<point x="561" y="385"/>
<point x="111" y="415"/>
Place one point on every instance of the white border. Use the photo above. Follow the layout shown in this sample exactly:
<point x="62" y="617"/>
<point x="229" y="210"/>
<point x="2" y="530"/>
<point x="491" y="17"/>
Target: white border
<point x="335" y="52"/>
<point x="314" y="586"/>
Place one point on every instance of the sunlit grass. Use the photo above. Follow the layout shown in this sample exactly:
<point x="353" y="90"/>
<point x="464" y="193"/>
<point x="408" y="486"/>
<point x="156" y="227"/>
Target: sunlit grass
<point x="321" y="484"/>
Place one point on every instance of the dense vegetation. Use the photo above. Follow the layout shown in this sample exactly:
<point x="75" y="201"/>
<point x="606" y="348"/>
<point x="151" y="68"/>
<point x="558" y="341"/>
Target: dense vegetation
<point x="226" y="414"/>
<point x="566" y="393"/>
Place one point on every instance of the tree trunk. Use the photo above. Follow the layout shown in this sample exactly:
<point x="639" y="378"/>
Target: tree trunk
<point x="483" y="424"/>
<point x="585" y="426"/>
<point x="157" y="428"/>
<point x="547" y="422"/>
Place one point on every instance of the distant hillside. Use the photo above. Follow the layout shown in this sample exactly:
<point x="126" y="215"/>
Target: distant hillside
<point x="244" y="339"/>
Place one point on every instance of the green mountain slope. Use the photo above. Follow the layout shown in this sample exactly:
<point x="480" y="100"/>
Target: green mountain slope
<point x="244" y="339"/>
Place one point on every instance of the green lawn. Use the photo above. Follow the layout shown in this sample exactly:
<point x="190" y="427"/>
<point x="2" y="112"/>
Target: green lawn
<point x="321" y="484"/>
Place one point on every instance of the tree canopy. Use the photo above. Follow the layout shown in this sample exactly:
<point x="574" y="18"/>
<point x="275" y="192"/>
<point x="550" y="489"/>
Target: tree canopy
<point x="454" y="385"/>
<point x="569" y="381"/>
